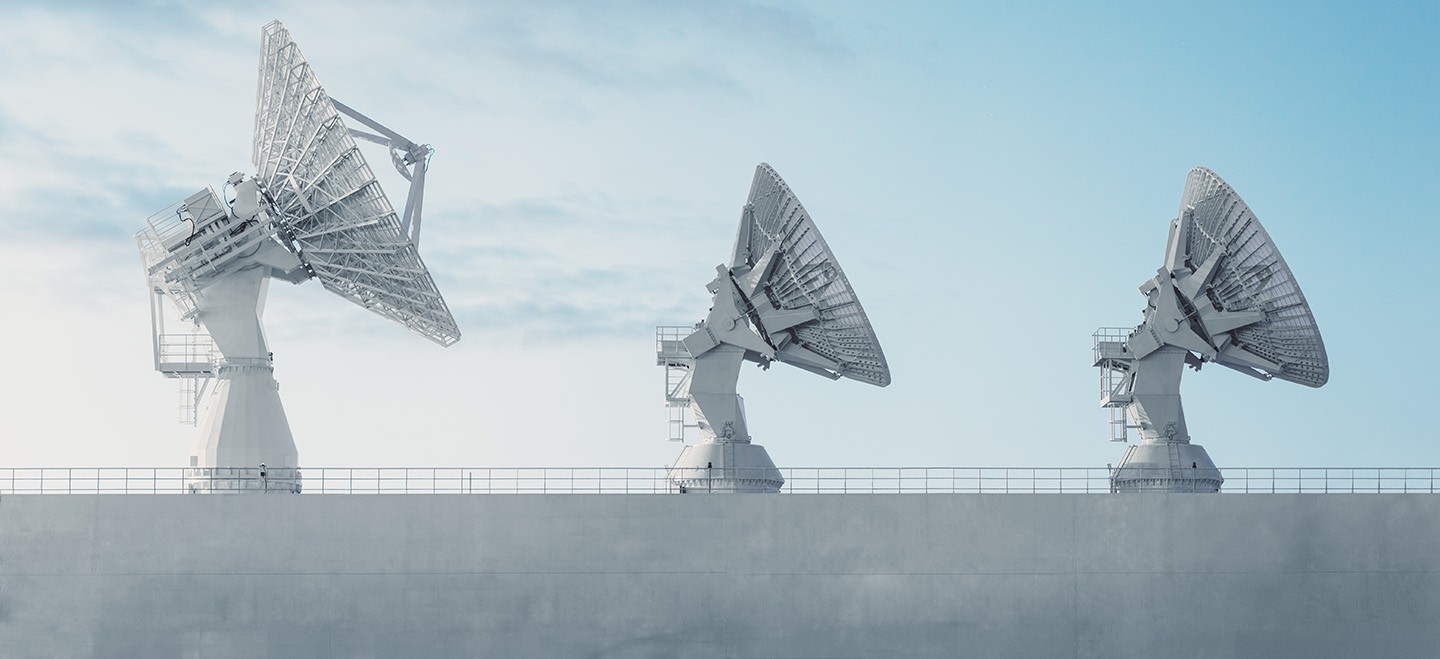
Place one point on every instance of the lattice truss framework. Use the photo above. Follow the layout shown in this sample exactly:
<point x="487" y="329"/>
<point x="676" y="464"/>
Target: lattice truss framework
<point x="331" y="210"/>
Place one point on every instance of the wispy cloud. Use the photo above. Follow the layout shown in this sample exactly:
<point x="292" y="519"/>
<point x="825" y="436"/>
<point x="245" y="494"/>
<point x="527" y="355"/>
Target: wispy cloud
<point x="99" y="126"/>
<point x="526" y="55"/>
<point x="571" y="267"/>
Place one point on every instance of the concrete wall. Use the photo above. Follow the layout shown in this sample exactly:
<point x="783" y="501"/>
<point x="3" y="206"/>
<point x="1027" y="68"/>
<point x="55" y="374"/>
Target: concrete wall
<point x="720" y="576"/>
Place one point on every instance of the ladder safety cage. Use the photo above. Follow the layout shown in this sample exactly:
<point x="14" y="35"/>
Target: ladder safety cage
<point x="671" y="353"/>
<point x="1112" y="357"/>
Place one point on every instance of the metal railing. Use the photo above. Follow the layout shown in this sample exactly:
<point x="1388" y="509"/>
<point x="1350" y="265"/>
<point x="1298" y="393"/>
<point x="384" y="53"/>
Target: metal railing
<point x="660" y="480"/>
<point x="190" y="353"/>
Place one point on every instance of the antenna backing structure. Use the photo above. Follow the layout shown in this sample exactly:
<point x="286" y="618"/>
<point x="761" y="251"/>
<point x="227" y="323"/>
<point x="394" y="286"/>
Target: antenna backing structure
<point x="1224" y="295"/>
<point x="314" y="209"/>
<point x="782" y="298"/>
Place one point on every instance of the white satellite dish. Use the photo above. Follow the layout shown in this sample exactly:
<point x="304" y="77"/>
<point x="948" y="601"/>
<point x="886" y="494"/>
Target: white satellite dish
<point x="783" y="298"/>
<point x="313" y="210"/>
<point x="1224" y="295"/>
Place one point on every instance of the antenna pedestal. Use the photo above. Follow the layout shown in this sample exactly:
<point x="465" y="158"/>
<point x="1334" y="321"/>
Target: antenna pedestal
<point x="244" y="426"/>
<point x="725" y="467"/>
<point x="1164" y="460"/>
<point x="1166" y="467"/>
<point x="724" y="460"/>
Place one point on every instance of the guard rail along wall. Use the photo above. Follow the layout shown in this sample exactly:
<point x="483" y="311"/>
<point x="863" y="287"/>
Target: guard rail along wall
<point x="660" y="480"/>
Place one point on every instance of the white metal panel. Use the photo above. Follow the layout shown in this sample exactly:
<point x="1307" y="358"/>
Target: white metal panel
<point x="780" y="241"/>
<point x="1252" y="275"/>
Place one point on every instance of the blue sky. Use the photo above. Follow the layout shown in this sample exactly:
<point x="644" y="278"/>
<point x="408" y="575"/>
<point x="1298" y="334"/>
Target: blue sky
<point x="996" y="179"/>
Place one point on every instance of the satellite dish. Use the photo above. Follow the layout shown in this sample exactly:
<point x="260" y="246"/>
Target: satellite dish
<point x="312" y="210"/>
<point x="782" y="298"/>
<point x="1223" y="295"/>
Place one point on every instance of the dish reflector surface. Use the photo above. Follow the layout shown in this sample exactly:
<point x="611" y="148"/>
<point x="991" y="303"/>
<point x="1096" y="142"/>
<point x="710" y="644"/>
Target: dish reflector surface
<point x="334" y="214"/>
<point x="1252" y="276"/>
<point x="806" y="273"/>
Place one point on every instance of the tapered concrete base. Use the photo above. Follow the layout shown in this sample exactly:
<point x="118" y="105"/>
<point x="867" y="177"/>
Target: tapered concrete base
<point x="725" y="467"/>
<point x="1166" y="467"/>
<point x="244" y="428"/>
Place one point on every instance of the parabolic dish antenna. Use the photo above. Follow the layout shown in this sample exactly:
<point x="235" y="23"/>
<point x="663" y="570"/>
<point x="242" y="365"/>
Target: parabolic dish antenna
<point x="1223" y="295"/>
<point x="312" y="210"/>
<point x="782" y="298"/>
